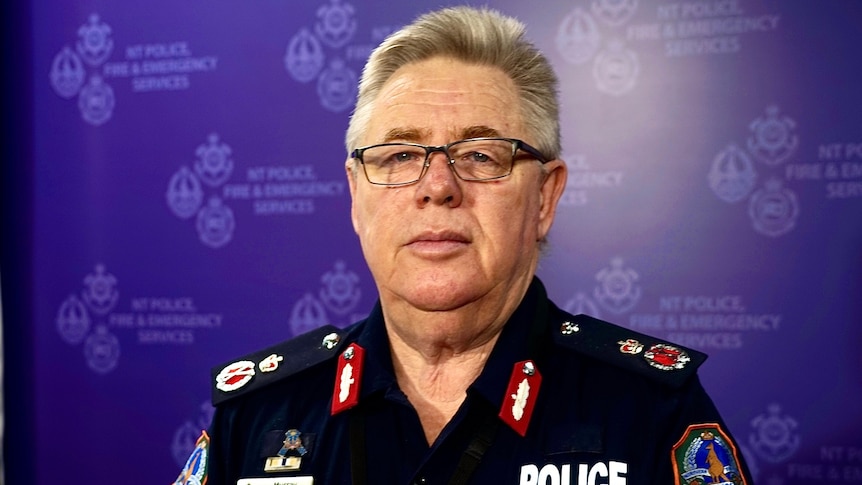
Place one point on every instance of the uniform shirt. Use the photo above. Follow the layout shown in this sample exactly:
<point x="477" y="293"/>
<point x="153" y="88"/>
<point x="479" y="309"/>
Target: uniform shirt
<point x="612" y="407"/>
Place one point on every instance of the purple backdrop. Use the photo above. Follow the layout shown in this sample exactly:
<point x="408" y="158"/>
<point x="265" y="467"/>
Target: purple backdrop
<point x="189" y="205"/>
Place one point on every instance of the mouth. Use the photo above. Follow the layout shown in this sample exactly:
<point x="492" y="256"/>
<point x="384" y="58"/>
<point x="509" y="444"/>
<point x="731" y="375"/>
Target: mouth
<point x="438" y="242"/>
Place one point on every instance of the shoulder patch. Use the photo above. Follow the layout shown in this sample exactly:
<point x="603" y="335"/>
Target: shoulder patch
<point x="704" y="452"/>
<point x="658" y="360"/>
<point x="272" y="364"/>
<point x="195" y="469"/>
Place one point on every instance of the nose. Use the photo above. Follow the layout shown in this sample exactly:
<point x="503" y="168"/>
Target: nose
<point x="439" y="185"/>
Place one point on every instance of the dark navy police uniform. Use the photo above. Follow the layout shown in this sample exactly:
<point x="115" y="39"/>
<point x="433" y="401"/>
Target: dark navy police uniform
<point x="562" y="400"/>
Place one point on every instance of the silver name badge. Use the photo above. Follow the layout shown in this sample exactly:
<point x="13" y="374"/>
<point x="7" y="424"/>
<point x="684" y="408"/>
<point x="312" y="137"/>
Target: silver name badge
<point x="276" y="481"/>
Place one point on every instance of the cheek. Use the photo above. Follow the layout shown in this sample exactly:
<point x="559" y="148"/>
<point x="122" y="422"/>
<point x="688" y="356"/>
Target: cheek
<point x="374" y="217"/>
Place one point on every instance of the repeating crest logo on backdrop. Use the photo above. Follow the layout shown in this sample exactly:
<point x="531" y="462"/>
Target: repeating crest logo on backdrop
<point x="604" y="32"/>
<point x="323" y="53"/>
<point x="206" y="193"/>
<point x="215" y="221"/>
<point x="618" y="291"/>
<point x="774" y="435"/>
<point x="101" y="347"/>
<point x="91" y="318"/>
<point x="616" y="68"/>
<point x="340" y="293"/>
<point x="773" y="208"/>
<point x="68" y="74"/>
<point x="85" y="70"/>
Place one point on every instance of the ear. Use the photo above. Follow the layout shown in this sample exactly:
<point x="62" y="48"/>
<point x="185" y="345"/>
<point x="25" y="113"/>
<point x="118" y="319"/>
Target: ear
<point x="350" y="171"/>
<point x="553" y="185"/>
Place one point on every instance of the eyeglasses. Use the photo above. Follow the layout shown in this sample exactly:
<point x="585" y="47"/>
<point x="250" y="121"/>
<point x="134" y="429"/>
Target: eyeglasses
<point x="473" y="159"/>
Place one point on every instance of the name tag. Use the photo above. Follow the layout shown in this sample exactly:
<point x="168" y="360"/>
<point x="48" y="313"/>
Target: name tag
<point x="276" y="481"/>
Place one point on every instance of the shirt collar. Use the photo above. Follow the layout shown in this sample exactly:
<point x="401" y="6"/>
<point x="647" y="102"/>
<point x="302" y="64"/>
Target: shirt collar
<point x="512" y="346"/>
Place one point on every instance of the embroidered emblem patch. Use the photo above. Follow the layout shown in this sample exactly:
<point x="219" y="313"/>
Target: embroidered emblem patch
<point x="706" y="455"/>
<point x="235" y="376"/>
<point x="666" y="357"/>
<point x="195" y="470"/>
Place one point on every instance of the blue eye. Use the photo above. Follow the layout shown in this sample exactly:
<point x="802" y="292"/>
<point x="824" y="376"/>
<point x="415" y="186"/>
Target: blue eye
<point x="479" y="157"/>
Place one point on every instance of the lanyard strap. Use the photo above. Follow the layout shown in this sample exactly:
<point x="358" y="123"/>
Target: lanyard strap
<point x="358" y="457"/>
<point x="475" y="450"/>
<point x="466" y="465"/>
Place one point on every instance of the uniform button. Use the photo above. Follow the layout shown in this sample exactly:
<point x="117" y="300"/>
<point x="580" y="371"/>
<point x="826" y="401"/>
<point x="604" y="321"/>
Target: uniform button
<point x="421" y="481"/>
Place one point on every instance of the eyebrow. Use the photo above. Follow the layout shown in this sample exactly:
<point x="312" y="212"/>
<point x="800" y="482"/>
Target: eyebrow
<point x="416" y="135"/>
<point x="479" y="131"/>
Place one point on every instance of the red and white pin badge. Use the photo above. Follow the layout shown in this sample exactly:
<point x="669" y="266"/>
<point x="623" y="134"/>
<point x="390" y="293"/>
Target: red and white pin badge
<point x="630" y="346"/>
<point x="235" y="375"/>
<point x="348" y="377"/>
<point x="666" y="357"/>
<point x="521" y="395"/>
<point x="270" y="364"/>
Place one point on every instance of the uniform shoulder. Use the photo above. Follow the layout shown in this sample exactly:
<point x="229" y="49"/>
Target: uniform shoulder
<point x="272" y="364"/>
<point x="655" y="359"/>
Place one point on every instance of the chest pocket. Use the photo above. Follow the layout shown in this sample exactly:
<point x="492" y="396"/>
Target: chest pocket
<point x="578" y="439"/>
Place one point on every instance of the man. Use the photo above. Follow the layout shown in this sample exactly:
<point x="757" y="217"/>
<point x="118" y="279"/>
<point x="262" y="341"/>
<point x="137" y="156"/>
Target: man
<point x="464" y="372"/>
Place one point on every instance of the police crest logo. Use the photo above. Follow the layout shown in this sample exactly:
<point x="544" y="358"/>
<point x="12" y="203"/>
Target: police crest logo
<point x="73" y="321"/>
<point x="705" y="455"/>
<point x="335" y="23"/>
<point x="773" y="209"/>
<point x="100" y="291"/>
<point x="337" y="86"/>
<point x="185" y="194"/>
<point x="772" y="138"/>
<point x="615" y="12"/>
<point x="102" y="350"/>
<point x="215" y="223"/>
<point x="195" y="470"/>
<point x="617" y="291"/>
<point x="578" y="37"/>
<point x="96" y="101"/>
<point x="304" y="58"/>
<point x="732" y="174"/>
<point x="94" y="41"/>
<point x="340" y="292"/>
<point x="67" y="73"/>
<point x="213" y="164"/>
<point x="616" y="69"/>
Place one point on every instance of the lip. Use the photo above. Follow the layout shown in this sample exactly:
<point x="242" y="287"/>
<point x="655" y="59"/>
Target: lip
<point x="438" y="242"/>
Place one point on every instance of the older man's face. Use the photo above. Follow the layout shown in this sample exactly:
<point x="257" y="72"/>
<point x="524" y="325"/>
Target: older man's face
<point x="443" y="242"/>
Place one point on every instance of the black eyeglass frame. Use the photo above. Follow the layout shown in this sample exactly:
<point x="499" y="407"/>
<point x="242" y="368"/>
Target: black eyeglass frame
<point x="429" y="149"/>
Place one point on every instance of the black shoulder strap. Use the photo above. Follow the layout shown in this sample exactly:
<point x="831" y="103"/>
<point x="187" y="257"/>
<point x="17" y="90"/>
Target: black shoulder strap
<point x="658" y="360"/>
<point x="272" y="364"/>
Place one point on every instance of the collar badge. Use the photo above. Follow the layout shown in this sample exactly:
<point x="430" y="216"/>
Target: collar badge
<point x="348" y="377"/>
<point x="521" y="395"/>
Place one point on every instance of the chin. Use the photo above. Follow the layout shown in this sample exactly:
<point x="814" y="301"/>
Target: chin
<point x="439" y="295"/>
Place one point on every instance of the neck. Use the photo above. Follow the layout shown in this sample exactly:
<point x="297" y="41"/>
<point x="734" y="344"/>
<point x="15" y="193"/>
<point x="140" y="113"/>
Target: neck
<point x="438" y="355"/>
<point x="435" y="379"/>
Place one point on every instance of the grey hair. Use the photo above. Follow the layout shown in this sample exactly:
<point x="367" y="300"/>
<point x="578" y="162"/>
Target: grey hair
<point x="480" y="36"/>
